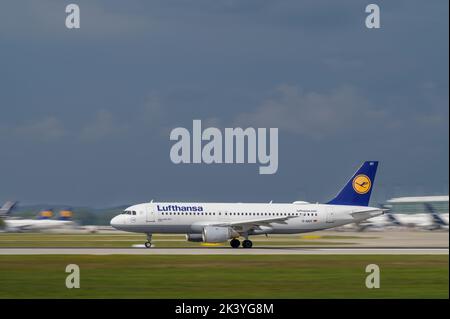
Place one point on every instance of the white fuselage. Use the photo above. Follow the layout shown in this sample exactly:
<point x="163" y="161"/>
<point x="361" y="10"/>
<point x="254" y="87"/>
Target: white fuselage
<point x="191" y="218"/>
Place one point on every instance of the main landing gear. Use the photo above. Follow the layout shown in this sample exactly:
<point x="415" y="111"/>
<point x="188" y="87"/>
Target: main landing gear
<point x="148" y="243"/>
<point x="247" y="243"/>
<point x="235" y="243"/>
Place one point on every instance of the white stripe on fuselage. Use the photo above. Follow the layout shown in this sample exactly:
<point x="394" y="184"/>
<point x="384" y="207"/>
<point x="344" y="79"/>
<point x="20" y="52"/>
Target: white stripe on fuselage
<point x="192" y="217"/>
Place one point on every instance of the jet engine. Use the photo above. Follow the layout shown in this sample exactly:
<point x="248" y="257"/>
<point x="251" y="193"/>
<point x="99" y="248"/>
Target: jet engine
<point x="194" y="237"/>
<point x="217" y="234"/>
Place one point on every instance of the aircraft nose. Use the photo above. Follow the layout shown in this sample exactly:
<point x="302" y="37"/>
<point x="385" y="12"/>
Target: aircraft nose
<point x="116" y="221"/>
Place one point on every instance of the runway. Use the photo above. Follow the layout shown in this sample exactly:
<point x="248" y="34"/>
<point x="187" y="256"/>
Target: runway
<point x="227" y="251"/>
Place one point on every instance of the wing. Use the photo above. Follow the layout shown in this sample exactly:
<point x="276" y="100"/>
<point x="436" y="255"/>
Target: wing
<point x="244" y="225"/>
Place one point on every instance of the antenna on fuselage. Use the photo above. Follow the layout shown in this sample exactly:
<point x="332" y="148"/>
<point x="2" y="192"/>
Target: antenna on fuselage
<point x="271" y="202"/>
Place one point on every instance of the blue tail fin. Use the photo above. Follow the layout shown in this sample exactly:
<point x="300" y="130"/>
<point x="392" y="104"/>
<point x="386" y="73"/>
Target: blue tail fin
<point x="45" y="214"/>
<point x="7" y="208"/>
<point x="392" y="220"/>
<point x="65" y="214"/>
<point x="358" y="189"/>
<point x="429" y="208"/>
<point x="437" y="220"/>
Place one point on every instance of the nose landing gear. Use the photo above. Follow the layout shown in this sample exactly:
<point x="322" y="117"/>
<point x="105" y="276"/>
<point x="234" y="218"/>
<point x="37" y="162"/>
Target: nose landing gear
<point x="148" y="243"/>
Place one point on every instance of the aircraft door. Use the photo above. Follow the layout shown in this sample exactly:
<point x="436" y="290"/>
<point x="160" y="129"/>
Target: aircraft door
<point x="330" y="216"/>
<point x="150" y="214"/>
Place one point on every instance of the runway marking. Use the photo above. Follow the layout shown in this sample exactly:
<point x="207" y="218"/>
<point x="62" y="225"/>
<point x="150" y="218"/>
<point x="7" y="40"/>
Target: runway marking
<point x="224" y="251"/>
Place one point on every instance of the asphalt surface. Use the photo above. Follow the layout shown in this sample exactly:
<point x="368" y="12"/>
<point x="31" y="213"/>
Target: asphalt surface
<point x="225" y="251"/>
<point x="397" y="242"/>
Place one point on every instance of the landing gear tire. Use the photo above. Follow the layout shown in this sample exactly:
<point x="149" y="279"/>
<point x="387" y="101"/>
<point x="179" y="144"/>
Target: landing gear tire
<point x="247" y="243"/>
<point x="148" y="243"/>
<point x="235" y="243"/>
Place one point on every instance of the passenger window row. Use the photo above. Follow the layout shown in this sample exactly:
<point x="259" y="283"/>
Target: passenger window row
<point x="239" y="214"/>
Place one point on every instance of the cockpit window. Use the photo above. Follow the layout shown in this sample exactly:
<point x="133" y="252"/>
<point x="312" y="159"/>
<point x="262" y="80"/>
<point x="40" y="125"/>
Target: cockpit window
<point x="129" y="212"/>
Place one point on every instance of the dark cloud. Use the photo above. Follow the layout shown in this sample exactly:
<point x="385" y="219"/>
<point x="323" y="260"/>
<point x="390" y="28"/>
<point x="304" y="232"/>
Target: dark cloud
<point x="86" y="114"/>
<point x="342" y="110"/>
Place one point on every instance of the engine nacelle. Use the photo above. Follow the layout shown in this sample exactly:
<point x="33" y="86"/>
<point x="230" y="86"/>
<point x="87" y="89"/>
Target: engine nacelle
<point x="194" y="237"/>
<point x="217" y="234"/>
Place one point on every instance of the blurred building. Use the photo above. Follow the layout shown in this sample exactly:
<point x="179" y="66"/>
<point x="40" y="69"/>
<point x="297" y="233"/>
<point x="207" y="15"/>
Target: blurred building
<point x="416" y="205"/>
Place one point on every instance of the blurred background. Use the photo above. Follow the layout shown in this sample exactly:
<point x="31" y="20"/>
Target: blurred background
<point x="85" y="114"/>
<point x="85" y="117"/>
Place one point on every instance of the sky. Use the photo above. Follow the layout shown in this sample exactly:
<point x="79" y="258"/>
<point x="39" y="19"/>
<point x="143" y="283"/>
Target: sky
<point x="86" y="114"/>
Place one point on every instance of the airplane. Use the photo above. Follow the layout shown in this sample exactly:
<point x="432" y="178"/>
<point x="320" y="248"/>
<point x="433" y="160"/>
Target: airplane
<point x="220" y="222"/>
<point x="431" y="220"/>
<point x="42" y="223"/>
